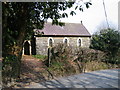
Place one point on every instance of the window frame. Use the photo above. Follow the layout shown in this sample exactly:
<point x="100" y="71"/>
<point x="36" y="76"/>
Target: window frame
<point x="49" y="41"/>
<point x="78" y="44"/>
<point x="67" y="40"/>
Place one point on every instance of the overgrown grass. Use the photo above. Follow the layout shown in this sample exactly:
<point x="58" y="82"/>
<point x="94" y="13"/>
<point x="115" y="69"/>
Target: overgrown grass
<point x="41" y="57"/>
<point x="65" y="62"/>
<point x="61" y="68"/>
<point x="86" y="60"/>
<point x="96" y="65"/>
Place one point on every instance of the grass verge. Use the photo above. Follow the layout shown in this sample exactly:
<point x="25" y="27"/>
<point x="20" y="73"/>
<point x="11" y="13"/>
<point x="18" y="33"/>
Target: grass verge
<point x="41" y="57"/>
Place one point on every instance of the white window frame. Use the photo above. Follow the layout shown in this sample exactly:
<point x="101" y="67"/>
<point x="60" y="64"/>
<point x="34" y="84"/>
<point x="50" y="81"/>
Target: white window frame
<point x="78" y="42"/>
<point x="67" y="40"/>
<point x="49" y="39"/>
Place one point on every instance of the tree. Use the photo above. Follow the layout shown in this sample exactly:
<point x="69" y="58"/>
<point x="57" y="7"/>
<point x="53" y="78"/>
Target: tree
<point x="108" y="41"/>
<point x="19" y="20"/>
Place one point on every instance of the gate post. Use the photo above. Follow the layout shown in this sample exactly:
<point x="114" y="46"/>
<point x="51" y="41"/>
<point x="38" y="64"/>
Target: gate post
<point x="49" y="56"/>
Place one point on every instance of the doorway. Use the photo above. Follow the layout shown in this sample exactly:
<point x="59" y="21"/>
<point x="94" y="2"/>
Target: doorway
<point x="26" y="48"/>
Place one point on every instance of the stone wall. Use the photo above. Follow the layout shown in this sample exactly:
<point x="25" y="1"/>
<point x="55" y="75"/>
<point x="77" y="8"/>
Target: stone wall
<point x="42" y="43"/>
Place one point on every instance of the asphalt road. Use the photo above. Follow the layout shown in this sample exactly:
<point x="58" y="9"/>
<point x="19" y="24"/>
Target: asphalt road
<point x="96" y="79"/>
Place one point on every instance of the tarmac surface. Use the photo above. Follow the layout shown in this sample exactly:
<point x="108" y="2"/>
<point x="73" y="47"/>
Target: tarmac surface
<point x="97" y="79"/>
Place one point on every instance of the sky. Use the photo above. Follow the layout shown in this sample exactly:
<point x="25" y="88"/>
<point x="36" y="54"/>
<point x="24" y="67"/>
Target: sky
<point x="93" y="18"/>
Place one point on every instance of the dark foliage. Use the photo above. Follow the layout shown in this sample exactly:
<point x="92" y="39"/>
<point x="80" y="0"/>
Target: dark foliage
<point x="108" y="41"/>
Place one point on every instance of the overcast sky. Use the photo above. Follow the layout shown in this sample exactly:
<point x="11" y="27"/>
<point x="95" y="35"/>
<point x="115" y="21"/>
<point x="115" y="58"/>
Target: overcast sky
<point x="94" y="17"/>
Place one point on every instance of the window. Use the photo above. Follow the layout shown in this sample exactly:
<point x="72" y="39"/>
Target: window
<point x="79" y="42"/>
<point x="50" y="42"/>
<point x="65" y="41"/>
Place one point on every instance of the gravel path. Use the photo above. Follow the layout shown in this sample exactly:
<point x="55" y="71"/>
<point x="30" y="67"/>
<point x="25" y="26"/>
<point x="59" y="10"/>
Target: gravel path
<point x="96" y="79"/>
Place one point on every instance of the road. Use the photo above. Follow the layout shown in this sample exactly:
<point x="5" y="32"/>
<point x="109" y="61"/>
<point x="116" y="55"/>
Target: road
<point x="96" y="79"/>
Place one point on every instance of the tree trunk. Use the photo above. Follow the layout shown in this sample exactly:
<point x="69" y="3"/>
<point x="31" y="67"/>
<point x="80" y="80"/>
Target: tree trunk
<point x="11" y="70"/>
<point x="12" y="60"/>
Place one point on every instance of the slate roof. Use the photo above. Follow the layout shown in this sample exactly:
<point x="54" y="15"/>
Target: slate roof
<point x="70" y="29"/>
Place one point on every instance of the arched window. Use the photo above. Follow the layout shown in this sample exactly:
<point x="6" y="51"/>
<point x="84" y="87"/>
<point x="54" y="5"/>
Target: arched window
<point x="66" y="41"/>
<point x="50" y="42"/>
<point x="79" y="42"/>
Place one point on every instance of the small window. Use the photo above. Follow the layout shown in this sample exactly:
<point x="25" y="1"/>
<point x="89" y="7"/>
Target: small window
<point x="65" y="41"/>
<point x="79" y="42"/>
<point x="50" y="42"/>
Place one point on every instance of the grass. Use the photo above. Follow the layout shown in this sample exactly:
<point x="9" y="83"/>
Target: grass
<point x="41" y="57"/>
<point x="61" y="67"/>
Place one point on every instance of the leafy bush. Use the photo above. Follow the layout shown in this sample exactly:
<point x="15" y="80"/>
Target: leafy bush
<point x="60" y="57"/>
<point x="116" y="59"/>
<point x="61" y="51"/>
<point x="85" y="55"/>
<point x="10" y="69"/>
<point x="108" y="41"/>
<point x="96" y="65"/>
<point x="64" y="60"/>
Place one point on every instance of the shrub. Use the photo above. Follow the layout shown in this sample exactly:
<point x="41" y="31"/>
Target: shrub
<point x="10" y="69"/>
<point x="85" y="55"/>
<point x="108" y="41"/>
<point x="62" y="51"/>
<point x="66" y="61"/>
<point x="60" y="57"/>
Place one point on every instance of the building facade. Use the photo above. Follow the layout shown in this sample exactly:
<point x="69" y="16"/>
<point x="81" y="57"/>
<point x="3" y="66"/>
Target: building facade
<point x="75" y="35"/>
<point x="42" y="43"/>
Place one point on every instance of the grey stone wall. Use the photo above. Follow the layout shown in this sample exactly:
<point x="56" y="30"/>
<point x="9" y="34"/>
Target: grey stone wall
<point x="42" y="43"/>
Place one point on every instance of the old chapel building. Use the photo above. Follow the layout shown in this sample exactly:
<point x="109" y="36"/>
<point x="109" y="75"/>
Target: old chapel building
<point x="74" y="34"/>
